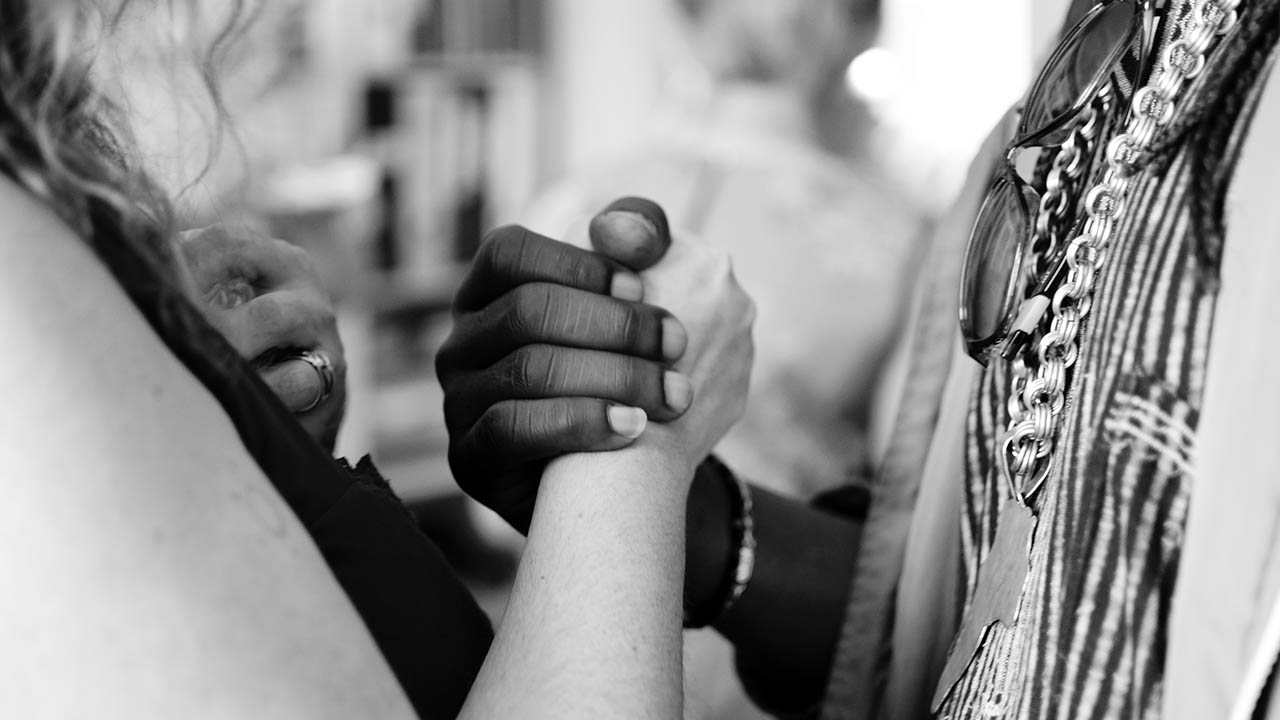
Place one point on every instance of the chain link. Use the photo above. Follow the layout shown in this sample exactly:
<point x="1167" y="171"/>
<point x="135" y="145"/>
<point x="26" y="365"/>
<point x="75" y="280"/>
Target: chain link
<point x="1038" y="393"/>
<point x="1064" y="172"/>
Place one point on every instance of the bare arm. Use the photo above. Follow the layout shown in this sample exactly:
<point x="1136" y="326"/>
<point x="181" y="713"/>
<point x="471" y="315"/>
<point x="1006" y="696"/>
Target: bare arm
<point x="153" y="569"/>
<point x="593" y="629"/>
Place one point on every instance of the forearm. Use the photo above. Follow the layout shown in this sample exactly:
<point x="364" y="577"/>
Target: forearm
<point x="786" y="624"/>
<point x="593" y="625"/>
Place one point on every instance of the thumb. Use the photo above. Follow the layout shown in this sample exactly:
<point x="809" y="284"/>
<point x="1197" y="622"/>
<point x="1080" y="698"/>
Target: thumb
<point x="631" y="231"/>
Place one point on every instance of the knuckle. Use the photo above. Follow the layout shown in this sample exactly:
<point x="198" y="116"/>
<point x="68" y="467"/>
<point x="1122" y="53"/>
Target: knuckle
<point x="486" y="254"/>
<point x="291" y="256"/>
<point x="268" y="312"/>
<point x="531" y="369"/>
<point x="549" y="420"/>
<point x="500" y="236"/>
<point x="571" y="418"/>
<point x="503" y="246"/>
<point x="530" y="314"/>
<point x="218" y="232"/>
<point x="206" y="236"/>
<point x="584" y="270"/>
<point x="637" y="381"/>
<point x="497" y="425"/>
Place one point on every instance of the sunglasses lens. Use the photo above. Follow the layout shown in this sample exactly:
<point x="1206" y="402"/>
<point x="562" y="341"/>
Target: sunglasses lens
<point x="1079" y="67"/>
<point x="991" y="265"/>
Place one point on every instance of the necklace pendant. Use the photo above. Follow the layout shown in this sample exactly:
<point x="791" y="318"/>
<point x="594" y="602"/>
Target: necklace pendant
<point x="997" y="595"/>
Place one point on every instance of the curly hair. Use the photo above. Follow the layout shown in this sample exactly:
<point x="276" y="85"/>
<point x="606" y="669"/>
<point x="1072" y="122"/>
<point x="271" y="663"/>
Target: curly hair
<point x="65" y="141"/>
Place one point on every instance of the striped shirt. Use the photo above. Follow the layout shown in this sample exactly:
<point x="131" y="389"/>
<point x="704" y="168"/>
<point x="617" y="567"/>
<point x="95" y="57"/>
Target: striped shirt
<point x="1090" y="636"/>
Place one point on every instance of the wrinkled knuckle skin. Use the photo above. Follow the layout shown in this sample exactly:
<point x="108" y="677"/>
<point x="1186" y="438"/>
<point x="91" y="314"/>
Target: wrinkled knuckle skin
<point x="547" y="422"/>
<point x="584" y="271"/>
<point x="497" y="237"/>
<point x="529" y="314"/>
<point x="570" y="420"/>
<point x="529" y="371"/>
<point x="506" y="246"/>
<point x="489" y="254"/>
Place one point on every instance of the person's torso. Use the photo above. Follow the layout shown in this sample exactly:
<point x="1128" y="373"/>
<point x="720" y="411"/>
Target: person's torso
<point x="1089" y="638"/>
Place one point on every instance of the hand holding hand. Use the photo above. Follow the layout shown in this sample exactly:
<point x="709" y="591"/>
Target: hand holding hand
<point x="695" y="282"/>
<point x="552" y="352"/>
<point x="265" y="297"/>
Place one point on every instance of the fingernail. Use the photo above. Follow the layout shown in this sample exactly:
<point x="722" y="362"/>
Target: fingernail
<point x="628" y="223"/>
<point x="626" y="286"/>
<point x="678" y="390"/>
<point x="628" y="236"/>
<point x="627" y="421"/>
<point x="674" y="339"/>
<point x="646" y="210"/>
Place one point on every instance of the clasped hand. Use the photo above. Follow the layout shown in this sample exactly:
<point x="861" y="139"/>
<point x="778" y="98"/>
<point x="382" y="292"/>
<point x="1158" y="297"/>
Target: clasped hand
<point x="265" y="296"/>
<point x="557" y="349"/>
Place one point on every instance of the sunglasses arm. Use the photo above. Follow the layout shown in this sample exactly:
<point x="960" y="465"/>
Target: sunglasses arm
<point x="1029" y="314"/>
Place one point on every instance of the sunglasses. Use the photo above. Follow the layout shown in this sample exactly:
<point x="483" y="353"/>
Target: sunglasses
<point x="1109" y="45"/>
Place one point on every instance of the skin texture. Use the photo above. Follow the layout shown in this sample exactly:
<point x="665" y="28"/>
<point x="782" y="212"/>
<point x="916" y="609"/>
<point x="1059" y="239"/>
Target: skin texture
<point x="785" y="626"/>
<point x="265" y="297"/>
<point x="610" y="526"/>
<point x="159" y="568"/>
<point x="552" y="352"/>
<point x="170" y="579"/>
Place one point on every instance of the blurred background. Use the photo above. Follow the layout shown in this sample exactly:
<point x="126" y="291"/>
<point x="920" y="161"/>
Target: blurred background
<point x="817" y="138"/>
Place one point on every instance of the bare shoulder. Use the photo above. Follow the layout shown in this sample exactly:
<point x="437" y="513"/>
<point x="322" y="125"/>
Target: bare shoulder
<point x="157" y="566"/>
<point x="77" y="351"/>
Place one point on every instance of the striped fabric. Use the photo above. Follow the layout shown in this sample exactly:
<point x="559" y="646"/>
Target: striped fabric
<point x="1089" y="641"/>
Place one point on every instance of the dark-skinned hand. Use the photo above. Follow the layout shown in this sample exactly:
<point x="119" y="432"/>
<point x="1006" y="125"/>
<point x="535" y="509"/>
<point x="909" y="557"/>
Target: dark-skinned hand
<point x="553" y="351"/>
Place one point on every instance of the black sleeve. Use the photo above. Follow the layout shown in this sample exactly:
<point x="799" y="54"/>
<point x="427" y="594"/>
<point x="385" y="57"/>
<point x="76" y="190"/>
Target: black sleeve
<point x="424" y="620"/>
<point x="426" y="623"/>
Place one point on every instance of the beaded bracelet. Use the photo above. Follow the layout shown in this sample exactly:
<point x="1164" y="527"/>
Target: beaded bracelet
<point x="744" y="540"/>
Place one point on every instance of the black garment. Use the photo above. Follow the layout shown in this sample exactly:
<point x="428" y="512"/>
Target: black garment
<point x="425" y="622"/>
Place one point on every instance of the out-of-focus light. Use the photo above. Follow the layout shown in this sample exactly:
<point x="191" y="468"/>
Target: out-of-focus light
<point x="874" y="75"/>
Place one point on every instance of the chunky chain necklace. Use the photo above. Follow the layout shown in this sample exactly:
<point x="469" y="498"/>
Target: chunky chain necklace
<point x="1038" y="394"/>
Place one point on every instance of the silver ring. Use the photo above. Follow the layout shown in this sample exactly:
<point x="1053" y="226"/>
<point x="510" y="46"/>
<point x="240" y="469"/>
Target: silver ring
<point x="324" y="372"/>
